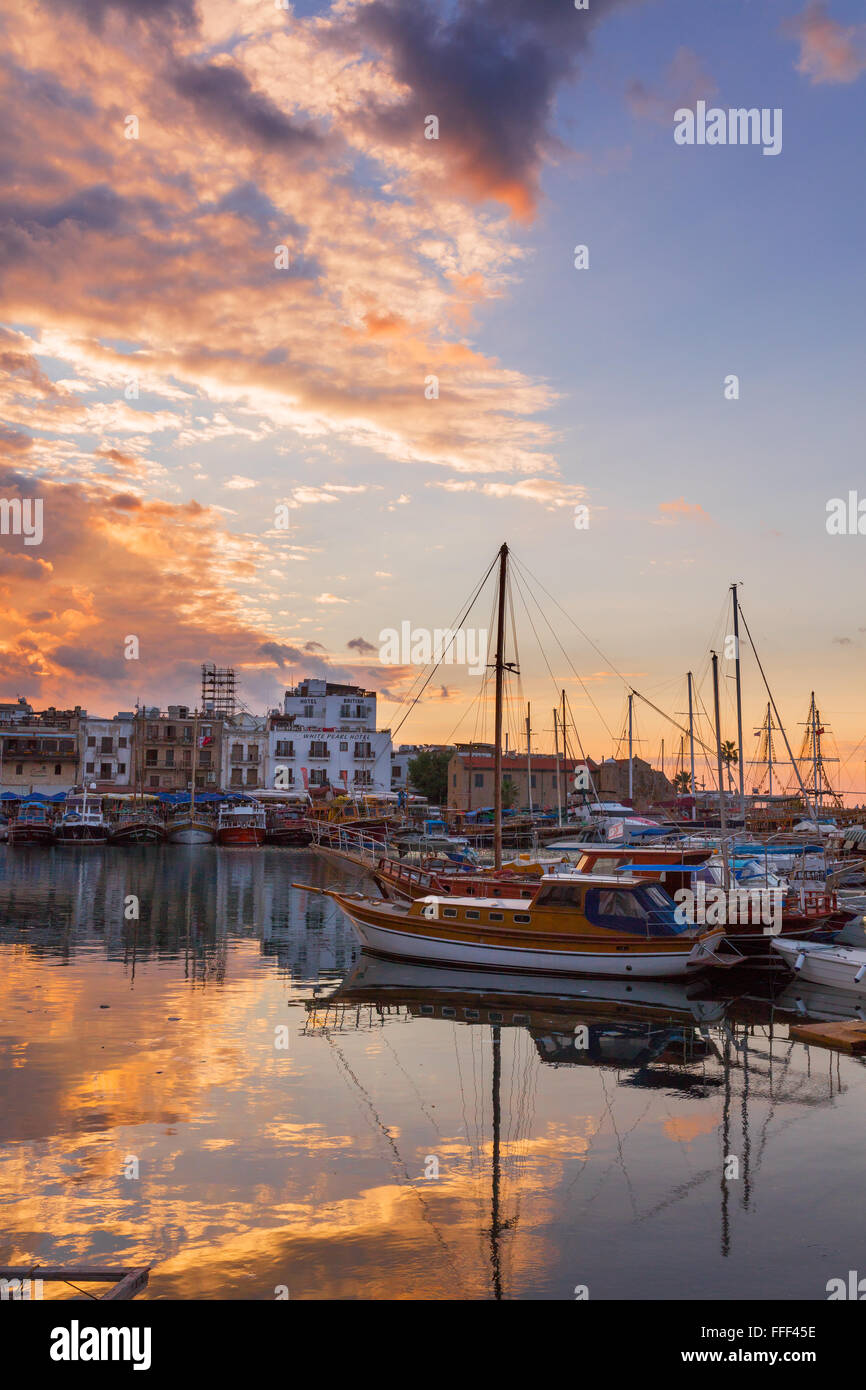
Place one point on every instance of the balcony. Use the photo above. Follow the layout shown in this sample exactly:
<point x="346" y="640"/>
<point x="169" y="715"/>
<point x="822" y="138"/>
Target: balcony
<point x="319" y="754"/>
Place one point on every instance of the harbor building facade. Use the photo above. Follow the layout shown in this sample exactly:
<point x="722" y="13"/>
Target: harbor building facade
<point x="471" y="783"/>
<point x="169" y="743"/>
<point x="244" y="765"/>
<point x="107" y="751"/>
<point x="325" y="740"/>
<point x="39" y="750"/>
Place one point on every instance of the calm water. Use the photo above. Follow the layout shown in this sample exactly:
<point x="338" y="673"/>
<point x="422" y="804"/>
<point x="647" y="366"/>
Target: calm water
<point x="312" y="1166"/>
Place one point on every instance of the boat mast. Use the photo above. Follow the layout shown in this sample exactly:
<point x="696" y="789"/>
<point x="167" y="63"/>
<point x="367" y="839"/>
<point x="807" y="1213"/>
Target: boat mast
<point x="736" y="607"/>
<point x="630" y="756"/>
<point x="528" y="759"/>
<point x="558" y="777"/>
<point x="692" y="748"/>
<point x="496" y="1225"/>
<point x="813" y="719"/>
<point x="500" y="672"/>
<point x="194" y="761"/>
<point x="722" y="818"/>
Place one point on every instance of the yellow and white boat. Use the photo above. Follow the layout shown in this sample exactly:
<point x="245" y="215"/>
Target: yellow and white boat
<point x="582" y="924"/>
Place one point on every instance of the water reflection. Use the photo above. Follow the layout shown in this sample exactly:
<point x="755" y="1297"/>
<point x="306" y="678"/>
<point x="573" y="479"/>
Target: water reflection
<point x="425" y="1133"/>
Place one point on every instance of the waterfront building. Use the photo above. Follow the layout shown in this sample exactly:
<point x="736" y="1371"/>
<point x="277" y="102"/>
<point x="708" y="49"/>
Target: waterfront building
<point x="471" y="782"/>
<point x="326" y="740"/>
<point x="106" y="751"/>
<point x="165" y="747"/>
<point x="39" y="750"/>
<point x="244" y="765"/>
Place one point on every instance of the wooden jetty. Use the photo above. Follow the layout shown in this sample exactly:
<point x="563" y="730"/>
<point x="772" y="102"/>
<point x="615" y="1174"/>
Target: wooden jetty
<point x="848" y="1037"/>
<point x="17" y="1281"/>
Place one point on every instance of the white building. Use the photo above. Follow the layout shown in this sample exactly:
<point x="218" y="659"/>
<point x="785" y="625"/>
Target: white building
<point x="327" y="737"/>
<point x="106" y="751"/>
<point x="244" y="753"/>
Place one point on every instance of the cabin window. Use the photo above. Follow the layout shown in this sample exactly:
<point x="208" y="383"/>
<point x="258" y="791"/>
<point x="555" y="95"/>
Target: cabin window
<point x="520" y="1018"/>
<point x="472" y="1015"/>
<point x="559" y="895"/>
<point x="427" y="1009"/>
<point x="473" y="914"/>
<point x="449" y="912"/>
<point x="495" y="1017"/>
<point x="496" y="917"/>
<point x="522" y="917"/>
<point x="448" y="1012"/>
<point x="634" y="911"/>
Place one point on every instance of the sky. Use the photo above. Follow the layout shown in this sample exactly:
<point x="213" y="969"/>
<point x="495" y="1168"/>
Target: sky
<point x="285" y="372"/>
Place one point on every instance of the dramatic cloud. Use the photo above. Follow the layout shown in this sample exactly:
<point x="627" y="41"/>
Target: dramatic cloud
<point x="829" y="51"/>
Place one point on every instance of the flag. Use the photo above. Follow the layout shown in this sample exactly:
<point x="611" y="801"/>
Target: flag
<point x="205" y="740"/>
<point x="306" y="779"/>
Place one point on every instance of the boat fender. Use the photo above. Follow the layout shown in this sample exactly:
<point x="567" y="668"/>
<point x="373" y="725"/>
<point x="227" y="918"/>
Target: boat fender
<point x="800" y="961"/>
<point x="860" y="973"/>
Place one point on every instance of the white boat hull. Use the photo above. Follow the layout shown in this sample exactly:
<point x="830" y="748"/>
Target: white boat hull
<point x="840" y="967"/>
<point x="190" y="835"/>
<point x="414" y="946"/>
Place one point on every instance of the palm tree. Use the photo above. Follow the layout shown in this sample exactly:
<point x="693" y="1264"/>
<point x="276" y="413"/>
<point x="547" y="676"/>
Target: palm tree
<point x="682" y="784"/>
<point x="730" y="757"/>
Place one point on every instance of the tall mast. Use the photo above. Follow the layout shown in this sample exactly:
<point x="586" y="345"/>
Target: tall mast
<point x="770" y="747"/>
<point x="194" y="761"/>
<point x="630" y="756"/>
<point x="722" y="818"/>
<point x="813" y="719"/>
<point x="564" y="753"/>
<point x="692" y="748"/>
<point x="558" y="775"/>
<point x="497" y="747"/>
<point x="528" y="758"/>
<point x="739" y="698"/>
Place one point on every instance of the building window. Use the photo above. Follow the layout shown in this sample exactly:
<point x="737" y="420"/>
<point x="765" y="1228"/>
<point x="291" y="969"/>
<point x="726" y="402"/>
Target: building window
<point x="169" y="757"/>
<point x="121" y="769"/>
<point x="532" y="780"/>
<point x="252" y="777"/>
<point x="363" y="750"/>
<point x="154" y="782"/>
<point x="309" y="711"/>
<point x="19" y="769"/>
<point x="318" y="777"/>
<point x="285" y="748"/>
<point x="122" y="743"/>
<point x="237" y="752"/>
<point x="344" y="746"/>
<point x="150" y="760"/>
<point x="396" y="771"/>
<point x="554" y="779"/>
<point x="106" y="746"/>
<point x="91" y="742"/>
<point x="58" y="768"/>
<point x="89" y="768"/>
<point x="105" y="772"/>
<point x="204" y="758"/>
<point x="319" y="749"/>
<point x="479" y="779"/>
<point x="454" y="779"/>
<point x="237" y="776"/>
<point x="152" y="732"/>
<point x="363" y="776"/>
<point x="253" y="753"/>
<point x="170" y="733"/>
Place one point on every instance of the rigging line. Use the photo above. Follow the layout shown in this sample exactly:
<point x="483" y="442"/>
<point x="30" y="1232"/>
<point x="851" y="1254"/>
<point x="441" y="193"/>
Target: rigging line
<point x="575" y="673"/>
<point x="583" y="634"/>
<point x="437" y="664"/>
<point x="806" y="801"/>
<point x="553" y="679"/>
<point x="669" y="717"/>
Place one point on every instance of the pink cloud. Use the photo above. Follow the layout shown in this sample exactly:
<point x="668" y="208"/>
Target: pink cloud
<point x="829" y="52"/>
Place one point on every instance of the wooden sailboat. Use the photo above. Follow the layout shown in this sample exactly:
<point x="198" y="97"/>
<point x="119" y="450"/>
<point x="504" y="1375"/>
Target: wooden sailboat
<point x="582" y="924"/>
<point x="187" y="828"/>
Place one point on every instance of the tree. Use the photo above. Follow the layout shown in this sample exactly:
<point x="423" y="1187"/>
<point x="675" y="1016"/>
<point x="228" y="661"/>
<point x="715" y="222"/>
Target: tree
<point x="428" y="773"/>
<point x="682" y="783"/>
<point x="730" y="757"/>
<point x="509" y="792"/>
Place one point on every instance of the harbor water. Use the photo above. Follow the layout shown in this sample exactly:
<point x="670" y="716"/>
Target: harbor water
<point x="200" y="1073"/>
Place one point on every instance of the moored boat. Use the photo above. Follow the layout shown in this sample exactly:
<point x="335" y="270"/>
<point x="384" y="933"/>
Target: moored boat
<point x="82" y="823"/>
<point x="241" y="825"/>
<point x="825" y="963"/>
<point x="135" y="821"/>
<point x="583" y="925"/>
<point x="31" y="825"/>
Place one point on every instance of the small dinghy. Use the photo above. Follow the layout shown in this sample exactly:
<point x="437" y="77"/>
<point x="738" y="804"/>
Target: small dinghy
<point x="841" y="967"/>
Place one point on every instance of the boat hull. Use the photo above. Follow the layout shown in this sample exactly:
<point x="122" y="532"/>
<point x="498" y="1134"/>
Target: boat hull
<point x="81" y="835"/>
<point x="31" y="835"/>
<point x="137" y="833"/>
<point x="190" y="833"/>
<point x="384" y="934"/>
<point x="834" y="966"/>
<point x="248" y="835"/>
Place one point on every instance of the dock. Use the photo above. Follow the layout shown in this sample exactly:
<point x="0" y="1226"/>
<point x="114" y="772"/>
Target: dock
<point x="848" y="1037"/>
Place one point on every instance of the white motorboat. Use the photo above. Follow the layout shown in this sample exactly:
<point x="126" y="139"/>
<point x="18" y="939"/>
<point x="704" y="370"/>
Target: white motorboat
<point x="841" y="967"/>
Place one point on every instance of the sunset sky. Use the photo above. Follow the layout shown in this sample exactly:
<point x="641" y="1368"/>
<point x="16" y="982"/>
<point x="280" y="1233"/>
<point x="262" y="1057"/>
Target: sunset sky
<point x="166" y="387"/>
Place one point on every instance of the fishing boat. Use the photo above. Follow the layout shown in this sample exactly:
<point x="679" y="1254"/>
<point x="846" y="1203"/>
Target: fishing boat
<point x="82" y="823"/>
<point x="187" y="826"/>
<point x="825" y="963"/>
<point x="134" y="820"/>
<point x="241" y="825"/>
<point x="395" y="878"/>
<point x="374" y="815"/>
<point x="583" y="925"/>
<point x="285" y="820"/>
<point x="31" y="825"/>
